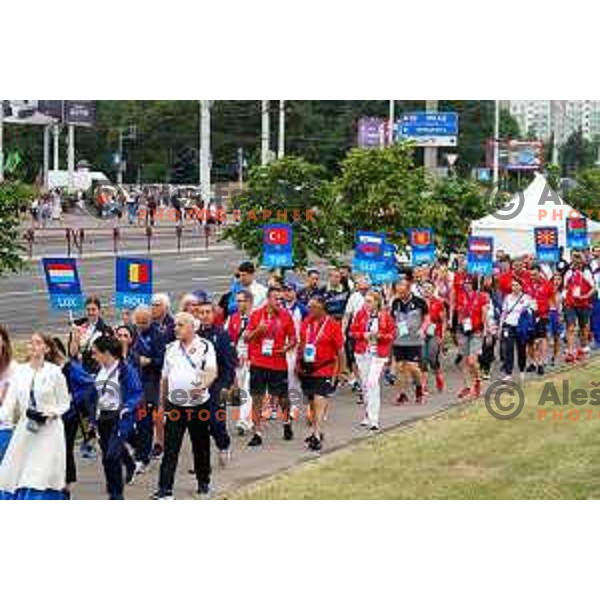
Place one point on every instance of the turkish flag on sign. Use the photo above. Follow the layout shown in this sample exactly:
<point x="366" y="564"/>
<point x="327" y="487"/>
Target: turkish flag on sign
<point x="277" y="236"/>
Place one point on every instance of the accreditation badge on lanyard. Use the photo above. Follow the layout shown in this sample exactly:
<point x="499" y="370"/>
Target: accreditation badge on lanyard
<point x="373" y="327"/>
<point x="310" y="348"/>
<point x="467" y="323"/>
<point x="269" y="341"/>
<point x="402" y="328"/>
<point x="242" y="346"/>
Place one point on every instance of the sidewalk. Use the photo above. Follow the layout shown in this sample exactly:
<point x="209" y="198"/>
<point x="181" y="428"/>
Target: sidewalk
<point x="252" y="464"/>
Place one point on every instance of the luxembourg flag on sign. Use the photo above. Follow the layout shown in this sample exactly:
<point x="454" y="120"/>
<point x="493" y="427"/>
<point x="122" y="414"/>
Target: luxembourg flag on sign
<point x="61" y="273"/>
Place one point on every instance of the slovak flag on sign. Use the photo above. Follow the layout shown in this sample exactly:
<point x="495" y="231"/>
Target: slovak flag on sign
<point x="277" y="246"/>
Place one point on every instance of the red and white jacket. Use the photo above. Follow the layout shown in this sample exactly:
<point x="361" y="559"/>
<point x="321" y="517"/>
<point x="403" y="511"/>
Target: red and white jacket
<point x="386" y="332"/>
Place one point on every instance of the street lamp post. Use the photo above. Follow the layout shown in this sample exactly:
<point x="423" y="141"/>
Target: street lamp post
<point x="281" y="146"/>
<point x="205" y="151"/>
<point x="496" y="141"/>
<point x="1" y="141"/>
<point x="391" y="122"/>
<point x="264" y="133"/>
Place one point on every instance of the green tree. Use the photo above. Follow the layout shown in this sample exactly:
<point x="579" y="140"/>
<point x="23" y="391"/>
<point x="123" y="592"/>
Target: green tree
<point x="577" y="153"/>
<point x="458" y="202"/>
<point x="13" y="196"/>
<point x="383" y="190"/>
<point x="586" y="194"/>
<point x="288" y="184"/>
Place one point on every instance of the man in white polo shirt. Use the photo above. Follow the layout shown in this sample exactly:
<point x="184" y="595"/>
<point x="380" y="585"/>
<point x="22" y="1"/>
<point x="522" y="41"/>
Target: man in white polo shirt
<point x="189" y="369"/>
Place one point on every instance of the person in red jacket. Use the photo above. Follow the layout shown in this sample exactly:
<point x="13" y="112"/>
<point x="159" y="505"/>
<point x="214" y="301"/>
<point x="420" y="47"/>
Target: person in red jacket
<point x="472" y="324"/>
<point x="270" y="335"/>
<point x="319" y="362"/>
<point x="373" y="331"/>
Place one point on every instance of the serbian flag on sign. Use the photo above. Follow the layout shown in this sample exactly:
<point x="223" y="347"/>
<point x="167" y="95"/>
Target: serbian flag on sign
<point x="138" y="273"/>
<point x="61" y="273"/>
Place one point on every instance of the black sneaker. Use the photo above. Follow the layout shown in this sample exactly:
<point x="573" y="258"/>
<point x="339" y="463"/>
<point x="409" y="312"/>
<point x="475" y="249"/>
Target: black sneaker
<point x="162" y="495"/>
<point x="531" y="369"/>
<point x="255" y="441"/>
<point x="540" y="370"/>
<point x="157" y="452"/>
<point x="402" y="399"/>
<point x="315" y="444"/>
<point x="204" y="490"/>
<point x="130" y="475"/>
<point x="288" y="434"/>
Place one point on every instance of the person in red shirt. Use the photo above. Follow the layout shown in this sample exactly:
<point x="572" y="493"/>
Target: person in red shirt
<point x="543" y="294"/>
<point x="472" y="324"/>
<point x="319" y="361"/>
<point x="373" y="331"/>
<point x="579" y="289"/>
<point x="270" y="335"/>
<point x="436" y="330"/>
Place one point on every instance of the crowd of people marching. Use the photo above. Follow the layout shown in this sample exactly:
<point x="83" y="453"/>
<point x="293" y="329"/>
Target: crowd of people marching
<point x="218" y="367"/>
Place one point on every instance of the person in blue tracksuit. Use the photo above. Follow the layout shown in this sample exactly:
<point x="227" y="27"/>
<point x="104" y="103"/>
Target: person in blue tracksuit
<point x="148" y="354"/>
<point x="81" y="388"/>
<point x="119" y="391"/>
<point x="226" y="361"/>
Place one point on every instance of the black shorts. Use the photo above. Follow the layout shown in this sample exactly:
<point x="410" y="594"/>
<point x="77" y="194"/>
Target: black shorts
<point x="408" y="354"/>
<point x="317" y="386"/>
<point x="268" y="380"/>
<point x="541" y="328"/>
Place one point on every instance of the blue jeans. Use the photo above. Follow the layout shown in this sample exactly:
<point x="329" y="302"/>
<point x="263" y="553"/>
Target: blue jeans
<point x="596" y="320"/>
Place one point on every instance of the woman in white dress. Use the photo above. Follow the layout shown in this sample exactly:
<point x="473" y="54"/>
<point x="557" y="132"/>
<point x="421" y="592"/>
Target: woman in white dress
<point x="33" y="467"/>
<point x="8" y="368"/>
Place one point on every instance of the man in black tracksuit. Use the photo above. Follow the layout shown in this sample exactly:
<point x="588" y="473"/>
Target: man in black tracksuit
<point x="226" y="361"/>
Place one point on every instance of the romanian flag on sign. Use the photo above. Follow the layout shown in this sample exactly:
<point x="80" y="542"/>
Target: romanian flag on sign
<point x="138" y="273"/>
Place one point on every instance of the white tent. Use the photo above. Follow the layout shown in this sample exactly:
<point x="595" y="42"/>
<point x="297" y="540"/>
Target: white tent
<point x="538" y="205"/>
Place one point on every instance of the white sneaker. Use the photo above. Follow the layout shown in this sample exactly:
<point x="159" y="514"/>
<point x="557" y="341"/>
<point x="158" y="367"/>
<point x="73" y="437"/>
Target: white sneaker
<point x="224" y="457"/>
<point x="365" y="422"/>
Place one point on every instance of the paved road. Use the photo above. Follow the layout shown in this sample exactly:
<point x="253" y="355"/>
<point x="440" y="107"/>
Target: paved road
<point x="24" y="302"/>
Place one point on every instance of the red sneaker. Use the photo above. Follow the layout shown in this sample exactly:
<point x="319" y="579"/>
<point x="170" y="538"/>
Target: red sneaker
<point x="419" y="396"/>
<point x="464" y="392"/>
<point x="439" y="382"/>
<point x="476" y="391"/>
<point x="569" y="358"/>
